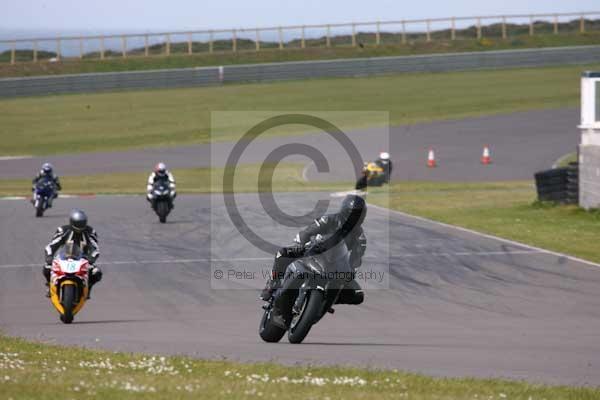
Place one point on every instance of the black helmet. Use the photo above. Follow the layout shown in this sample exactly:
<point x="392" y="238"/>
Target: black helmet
<point x="354" y="210"/>
<point x="78" y="220"/>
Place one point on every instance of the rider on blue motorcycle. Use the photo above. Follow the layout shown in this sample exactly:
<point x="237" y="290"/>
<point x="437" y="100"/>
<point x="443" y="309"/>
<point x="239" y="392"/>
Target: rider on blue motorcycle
<point x="47" y="173"/>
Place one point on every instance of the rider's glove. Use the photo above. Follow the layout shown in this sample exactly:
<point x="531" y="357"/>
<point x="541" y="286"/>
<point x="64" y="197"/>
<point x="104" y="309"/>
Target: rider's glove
<point x="297" y="249"/>
<point x="49" y="260"/>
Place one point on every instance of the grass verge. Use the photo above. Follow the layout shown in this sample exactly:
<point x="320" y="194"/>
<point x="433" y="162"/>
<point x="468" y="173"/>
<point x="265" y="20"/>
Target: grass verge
<point x="124" y="120"/>
<point x="565" y="160"/>
<point x="392" y="46"/>
<point x="504" y="209"/>
<point x="286" y="178"/>
<point x="31" y="370"/>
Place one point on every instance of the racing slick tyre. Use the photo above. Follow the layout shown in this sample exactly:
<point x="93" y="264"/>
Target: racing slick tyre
<point x="39" y="210"/>
<point x="268" y="332"/>
<point x="309" y="314"/>
<point x="162" y="209"/>
<point x="68" y="303"/>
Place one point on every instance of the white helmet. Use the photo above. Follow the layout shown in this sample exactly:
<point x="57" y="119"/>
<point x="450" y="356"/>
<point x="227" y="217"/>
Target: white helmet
<point x="384" y="156"/>
<point x="160" y="169"/>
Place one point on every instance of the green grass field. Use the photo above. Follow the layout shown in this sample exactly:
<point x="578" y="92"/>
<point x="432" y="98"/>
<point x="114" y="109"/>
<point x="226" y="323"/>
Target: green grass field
<point x="42" y="371"/>
<point x="287" y="177"/>
<point x="116" y="121"/>
<point x="223" y="55"/>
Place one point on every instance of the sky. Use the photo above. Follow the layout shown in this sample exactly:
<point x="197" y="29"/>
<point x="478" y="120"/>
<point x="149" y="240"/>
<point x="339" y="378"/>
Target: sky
<point x="82" y="16"/>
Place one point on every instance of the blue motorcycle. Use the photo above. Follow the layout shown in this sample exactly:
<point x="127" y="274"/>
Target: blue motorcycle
<point x="43" y="194"/>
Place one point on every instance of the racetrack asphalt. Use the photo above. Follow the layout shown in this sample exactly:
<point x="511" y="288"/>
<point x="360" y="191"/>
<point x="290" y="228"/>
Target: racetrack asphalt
<point x="520" y="143"/>
<point x="458" y="303"/>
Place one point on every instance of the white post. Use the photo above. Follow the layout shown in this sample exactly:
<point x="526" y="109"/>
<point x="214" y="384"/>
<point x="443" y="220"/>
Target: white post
<point x="221" y="73"/>
<point x="589" y="149"/>
<point x="280" y="33"/>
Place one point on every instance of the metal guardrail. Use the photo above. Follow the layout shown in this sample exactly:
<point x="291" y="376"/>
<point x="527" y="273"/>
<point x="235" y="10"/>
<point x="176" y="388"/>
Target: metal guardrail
<point x="294" y="36"/>
<point x="207" y="76"/>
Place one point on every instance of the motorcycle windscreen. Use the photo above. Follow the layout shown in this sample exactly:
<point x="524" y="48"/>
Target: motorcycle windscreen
<point x="70" y="251"/>
<point x="45" y="186"/>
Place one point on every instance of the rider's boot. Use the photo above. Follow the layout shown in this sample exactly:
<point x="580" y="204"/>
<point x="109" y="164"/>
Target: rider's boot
<point x="277" y="318"/>
<point x="46" y="271"/>
<point x="267" y="292"/>
<point x="95" y="277"/>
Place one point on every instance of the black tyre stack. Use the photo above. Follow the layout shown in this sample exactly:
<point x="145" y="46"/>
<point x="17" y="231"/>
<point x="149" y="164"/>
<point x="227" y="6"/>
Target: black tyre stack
<point x="559" y="185"/>
<point x="573" y="183"/>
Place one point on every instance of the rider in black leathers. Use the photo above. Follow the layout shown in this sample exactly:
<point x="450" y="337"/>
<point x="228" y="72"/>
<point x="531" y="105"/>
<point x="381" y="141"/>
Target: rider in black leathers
<point x="80" y="234"/>
<point x="347" y="224"/>
<point x="47" y="173"/>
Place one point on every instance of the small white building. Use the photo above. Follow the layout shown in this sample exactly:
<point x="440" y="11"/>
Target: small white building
<point x="589" y="149"/>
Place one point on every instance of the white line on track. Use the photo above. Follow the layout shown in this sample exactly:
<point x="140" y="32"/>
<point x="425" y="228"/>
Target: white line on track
<point x="305" y="171"/>
<point x="485" y="235"/>
<point x="224" y="260"/>
<point x="9" y="158"/>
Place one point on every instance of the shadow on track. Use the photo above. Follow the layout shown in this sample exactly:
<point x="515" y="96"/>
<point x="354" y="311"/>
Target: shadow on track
<point x="107" y="321"/>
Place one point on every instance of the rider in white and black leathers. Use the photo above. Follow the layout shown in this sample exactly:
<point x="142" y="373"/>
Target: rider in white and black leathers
<point x="47" y="172"/>
<point x="79" y="233"/>
<point x="347" y="225"/>
<point x="160" y="173"/>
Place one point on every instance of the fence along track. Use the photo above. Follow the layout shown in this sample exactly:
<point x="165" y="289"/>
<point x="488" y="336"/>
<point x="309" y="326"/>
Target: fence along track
<point x="208" y="76"/>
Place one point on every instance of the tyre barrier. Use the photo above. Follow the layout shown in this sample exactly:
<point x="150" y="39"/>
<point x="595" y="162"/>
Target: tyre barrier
<point x="559" y="185"/>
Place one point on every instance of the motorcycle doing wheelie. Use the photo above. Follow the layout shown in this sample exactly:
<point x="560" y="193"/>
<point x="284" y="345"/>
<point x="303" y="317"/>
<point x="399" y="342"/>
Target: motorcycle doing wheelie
<point x="69" y="282"/>
<point x="162" y="201"/>
<point x="311" y="286"/>
<point x="43" y="193"/>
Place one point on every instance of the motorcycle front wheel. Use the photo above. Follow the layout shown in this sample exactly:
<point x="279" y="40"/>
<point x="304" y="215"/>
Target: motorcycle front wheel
<point x="268" y="332"/>
<point x="308" y="315"/>
<point x="162" y="209"/>
<point x="39" y="208"/>
<point x="68" y="303"/>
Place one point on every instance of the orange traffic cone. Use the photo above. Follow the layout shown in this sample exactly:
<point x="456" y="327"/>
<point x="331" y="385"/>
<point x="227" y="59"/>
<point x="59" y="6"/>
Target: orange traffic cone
<point x="431" y="159"/>
<point x="486" y="158"/>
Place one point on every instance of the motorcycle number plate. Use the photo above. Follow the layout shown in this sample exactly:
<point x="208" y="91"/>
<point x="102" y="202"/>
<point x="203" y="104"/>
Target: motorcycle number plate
<point x="70" y="267"/>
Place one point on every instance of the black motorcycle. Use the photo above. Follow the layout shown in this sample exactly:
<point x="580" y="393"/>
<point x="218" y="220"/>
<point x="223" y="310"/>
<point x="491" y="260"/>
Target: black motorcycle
<point x="43" y="194"/>
<point x="310" y="288"/>
<point x="162" y="202"/>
